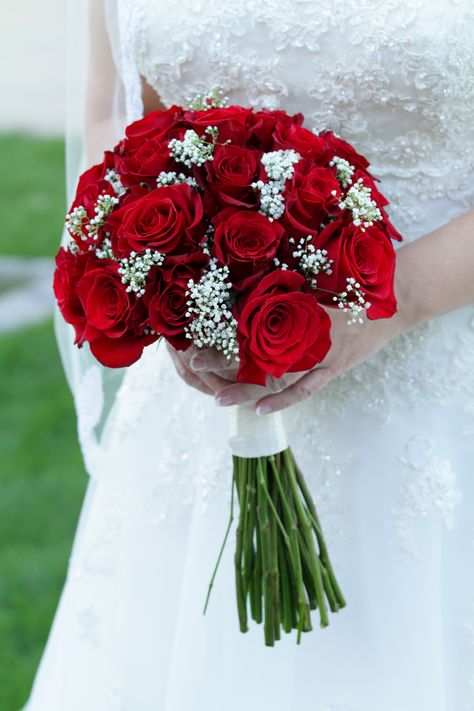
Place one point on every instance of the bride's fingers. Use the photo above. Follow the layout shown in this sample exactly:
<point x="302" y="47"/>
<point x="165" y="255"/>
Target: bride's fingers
<point x="208" y="383"/>
<point x="238" y="393"/>
<point x="206" y="360"/>
<point x="215" y="381"/>
<point x="187" y="375"/>
<point x="302" y="389"/>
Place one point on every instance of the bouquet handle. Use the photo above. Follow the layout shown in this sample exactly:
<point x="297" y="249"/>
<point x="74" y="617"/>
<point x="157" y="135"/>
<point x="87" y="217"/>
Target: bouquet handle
<point x="255" y="435"/>
<point x="282" y="566"/>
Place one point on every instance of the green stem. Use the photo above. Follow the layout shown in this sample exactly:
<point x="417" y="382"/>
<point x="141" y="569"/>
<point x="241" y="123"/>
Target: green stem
<point x="273" y="498"/>
<point x="229" y="525"/>
<point x="295" y="560"/>
<point x="249" y="523"/>
<point x="265" y="531"/>
<point x="241" y="467"/>
<point x="287" y="617"/>
<point x="277" y="517"/>
<point x="306" y="529"/>
<point x="307" y="573"/>
<point x="333" y="602"/>
<point x="257" y="577"/>
<point x="319" y="535"/>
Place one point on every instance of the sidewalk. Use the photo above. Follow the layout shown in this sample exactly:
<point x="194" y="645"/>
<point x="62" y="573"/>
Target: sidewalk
<point x="26" y="295"/>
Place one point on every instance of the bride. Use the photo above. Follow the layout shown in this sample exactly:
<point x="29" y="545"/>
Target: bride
<point x="384" y="429"/>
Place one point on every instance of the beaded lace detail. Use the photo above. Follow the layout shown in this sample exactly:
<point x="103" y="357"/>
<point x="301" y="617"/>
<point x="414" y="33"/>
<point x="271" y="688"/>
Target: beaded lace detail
<point x="403" y="93"/>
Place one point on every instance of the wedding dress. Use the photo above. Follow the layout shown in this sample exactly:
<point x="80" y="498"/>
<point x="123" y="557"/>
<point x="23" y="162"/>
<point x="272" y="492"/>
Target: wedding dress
<point x="387" y="448"/>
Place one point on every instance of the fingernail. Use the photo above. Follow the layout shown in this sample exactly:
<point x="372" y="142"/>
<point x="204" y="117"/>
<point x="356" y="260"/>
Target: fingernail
<point x="263" y="409"/>
<point x="224" y="400"/>
<point x="197" y="363"/>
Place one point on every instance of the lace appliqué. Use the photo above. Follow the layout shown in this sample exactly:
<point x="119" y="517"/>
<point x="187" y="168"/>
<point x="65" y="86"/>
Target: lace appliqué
<point x="429" y="486"/>
<point x="88" y="626"/>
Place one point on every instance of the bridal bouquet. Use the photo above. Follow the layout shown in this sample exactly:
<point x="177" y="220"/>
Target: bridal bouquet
<point x="224" y="227"/>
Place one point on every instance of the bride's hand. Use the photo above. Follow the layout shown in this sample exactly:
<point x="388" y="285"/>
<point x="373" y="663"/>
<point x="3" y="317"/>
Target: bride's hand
<point x="210" y="379"/>
<point x="351" y="345"/>
<point x="422" y="266"/>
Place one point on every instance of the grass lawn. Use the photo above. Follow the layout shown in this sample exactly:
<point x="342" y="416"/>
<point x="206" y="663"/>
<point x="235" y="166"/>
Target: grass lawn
<point x="42" y="479"/>
<point x="32" y="195"/>
<point x="42" y="482"/>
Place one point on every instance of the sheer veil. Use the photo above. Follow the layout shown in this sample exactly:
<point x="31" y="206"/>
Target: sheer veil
<point x="103" y="96"/>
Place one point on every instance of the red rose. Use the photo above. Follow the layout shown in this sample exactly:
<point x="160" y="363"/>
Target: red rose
<point x="167" y="312"/>
<point x="368" y="257"/>
<point x="167" y="219"/>
<point x="96" y="173"/>
<point x="69" y="270"/>
<point x="145" y="163"/>
<point x="183" y="267"/>
<point x="305" y="142"/>
<point x="156" y="124"/>
<point x="104" y="298"/>
<point x="114" y="322"/>
<point x="229" y="175"/>
<point x="119" y="352"/>
<point x="263" y="126"/>
<point x="342" y="149"/>
<point x="245" y="241"/>
<point x="281" y="329"/>
<point x="233" y="122"/>
<point x="308" y="202"/>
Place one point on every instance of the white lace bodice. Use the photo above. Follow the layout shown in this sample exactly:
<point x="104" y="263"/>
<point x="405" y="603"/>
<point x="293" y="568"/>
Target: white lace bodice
<point x="395" y="77"/>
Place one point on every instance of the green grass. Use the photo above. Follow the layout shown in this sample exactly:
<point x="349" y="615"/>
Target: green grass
<point x="32" y="197"/>
<point x="42" y="484"/>
<point x="42" y="479"/>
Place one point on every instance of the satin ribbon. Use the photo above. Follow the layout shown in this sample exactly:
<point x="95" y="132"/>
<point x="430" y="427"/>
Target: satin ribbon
<point x="255" y="435"/>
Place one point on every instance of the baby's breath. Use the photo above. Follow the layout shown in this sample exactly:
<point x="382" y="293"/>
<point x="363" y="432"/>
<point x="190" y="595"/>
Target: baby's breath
<point x="279" y="167"/>
<point x="76" y="222"/>
<point x="312" y="261"/>
<point x="173" y="178"/>
<point x="210" y="303"/>
<point x="359" y="201"/>
<point x="79" y="224"/>
<point x="272" y="202"/>
<point x="133" y="269"/>
<point x="105" y="250"/>
<point x="344" y="171"/>
<point x="103" y="207"/>
<point x="212" y="99"/>
<point x="194" y="149"/>
<point x="114" y="179"/>
<point x="352" y="301"/>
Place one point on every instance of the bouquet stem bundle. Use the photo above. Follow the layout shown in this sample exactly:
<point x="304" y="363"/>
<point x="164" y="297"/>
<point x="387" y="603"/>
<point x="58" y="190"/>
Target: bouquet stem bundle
<point x="282" y="567"/>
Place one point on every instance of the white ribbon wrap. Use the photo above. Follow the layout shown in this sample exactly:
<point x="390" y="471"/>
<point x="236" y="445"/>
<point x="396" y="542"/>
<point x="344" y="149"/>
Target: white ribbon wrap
<point x="255" y="435"/>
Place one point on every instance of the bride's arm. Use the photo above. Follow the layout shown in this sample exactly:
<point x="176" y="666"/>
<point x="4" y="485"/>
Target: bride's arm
<point x="434" y="275"/>
<point x="101" y="88"/>
<point x="437" y="271"/>
<point x="105" y="118"/>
